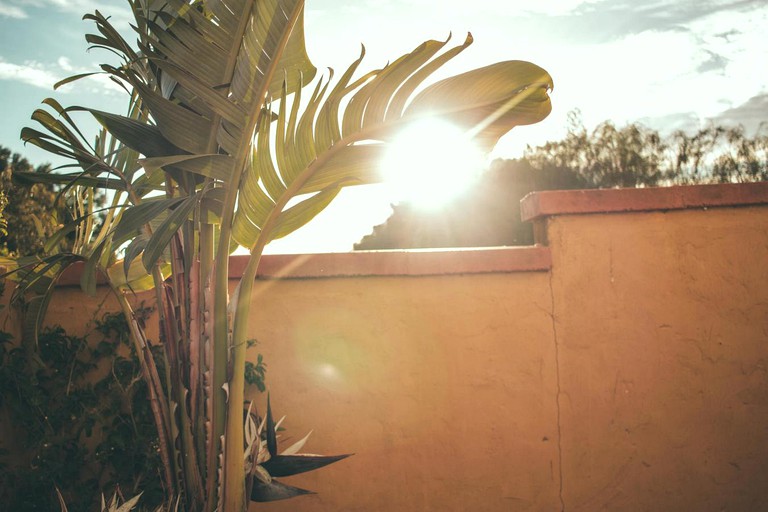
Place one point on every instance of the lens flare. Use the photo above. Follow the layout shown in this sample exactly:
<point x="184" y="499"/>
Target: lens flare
<point x="430" y="163"/>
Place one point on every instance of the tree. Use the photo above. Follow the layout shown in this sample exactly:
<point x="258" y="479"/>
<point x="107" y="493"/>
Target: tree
<point x="33" y="210"/>
<point x="228" y="122"/>
<point x="637" y="156"/>
<point x="486" y="215"/>
<point x="607" y="157"/>
<point x="717" y="154"/>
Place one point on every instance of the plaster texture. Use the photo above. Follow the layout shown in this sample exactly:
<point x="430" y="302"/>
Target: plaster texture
<point x="662" y="324"/>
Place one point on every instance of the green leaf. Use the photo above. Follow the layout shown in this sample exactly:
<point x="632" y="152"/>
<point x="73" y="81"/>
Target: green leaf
<point x="135" y="217"/>
<point x="353" y="165"/>
<point x="213" y="166"/>
<point x="182" y="127"/>
<point x="288" y="465"/>
<point x="141" y="137"/>
<point x="135" y="248"/>
<point x="72" y="78"/>
<point x="273" y="491"/>
<point x="327" y="129"/>
<point x="271" y="434"/>
<point x="298" y="215"/>
<point x="32" y="177"/>
<point x="490" y="100"/>
<point x="137" y="279"/>
<point x="167" y="229"/>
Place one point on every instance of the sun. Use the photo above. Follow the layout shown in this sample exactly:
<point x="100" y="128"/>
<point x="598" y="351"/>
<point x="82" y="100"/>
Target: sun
<point x="430" y="163"/>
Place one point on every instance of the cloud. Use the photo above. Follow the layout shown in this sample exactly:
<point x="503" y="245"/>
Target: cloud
<point x="608" y="20"/>
<point x="65" y="65"/>
<point x="30" y="73"/>
<point x="45" y="76"/>
<point x="688" y="122"/>
<point x="12" y="11"/>
<point x="749" y="114"/>
<point x="19" y="9"/>
<point x="714" y="62"/>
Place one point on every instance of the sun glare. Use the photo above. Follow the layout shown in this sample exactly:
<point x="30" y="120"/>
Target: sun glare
<point x="430" y="163"/>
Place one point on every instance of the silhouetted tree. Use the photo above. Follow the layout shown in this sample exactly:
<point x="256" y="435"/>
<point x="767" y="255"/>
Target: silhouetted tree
<point x="717" y="154"/>
<point x="488" y="214"/>
<point x="631" y="156"/>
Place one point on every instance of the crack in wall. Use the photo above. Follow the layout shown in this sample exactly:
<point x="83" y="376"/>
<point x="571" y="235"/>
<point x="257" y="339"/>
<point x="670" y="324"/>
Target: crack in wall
<point x="557" y="394"/>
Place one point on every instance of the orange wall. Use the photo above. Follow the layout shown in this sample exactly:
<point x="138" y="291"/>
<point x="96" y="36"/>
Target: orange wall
<point x="629" y="376"/>
<point x="662" y="334"/>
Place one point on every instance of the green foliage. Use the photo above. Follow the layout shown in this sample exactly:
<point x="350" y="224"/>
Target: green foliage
<point x="32" y="210"/>
<point x="718" y="154"/>
<point x="79" y="418"/>
<point x="638" y="156"/>
<point x="256" y="373"/>
<point x="3" y="221"/>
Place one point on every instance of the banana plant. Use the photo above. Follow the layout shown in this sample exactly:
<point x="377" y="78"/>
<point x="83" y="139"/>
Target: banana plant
<point x="233" y="139"/>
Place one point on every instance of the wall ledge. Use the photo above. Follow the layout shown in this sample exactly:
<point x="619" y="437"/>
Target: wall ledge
<point x="413" y="262"/>
<point x="577" y="202"/>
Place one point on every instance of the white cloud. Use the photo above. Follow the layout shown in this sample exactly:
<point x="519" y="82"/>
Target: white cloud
<point x="12" y="11"/>
<point x="94" y="84"/>
<point x="30" y="73"/>
<point x="65" y="64"/>
<point x="78" y="6"/>
<point x="19" y="9"/>
<point x="46" y="75"/>
<point x="497" y="7"/>
<point x="739" y="38"/>
<point x="552" y="8"/>
<point x="669" y="79"/>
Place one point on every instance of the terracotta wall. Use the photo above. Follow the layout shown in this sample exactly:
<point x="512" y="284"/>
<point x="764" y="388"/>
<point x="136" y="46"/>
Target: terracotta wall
<point x="620" y="367"/>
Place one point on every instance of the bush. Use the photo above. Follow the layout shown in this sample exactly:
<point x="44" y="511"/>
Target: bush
<point x="75" y="416"/>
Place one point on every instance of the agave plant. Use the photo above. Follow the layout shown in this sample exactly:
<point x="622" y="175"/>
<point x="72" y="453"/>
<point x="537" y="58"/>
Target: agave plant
<point x="233" y="139"/>
<point x="113" y="505"/>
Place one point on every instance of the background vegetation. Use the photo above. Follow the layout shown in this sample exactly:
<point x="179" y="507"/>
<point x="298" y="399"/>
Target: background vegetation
<point x="33" y="210"/>
<point x="75" y="415"/>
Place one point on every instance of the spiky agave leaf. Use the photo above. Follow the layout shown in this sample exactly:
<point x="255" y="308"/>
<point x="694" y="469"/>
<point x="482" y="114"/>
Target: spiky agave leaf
<point x="272" y="490"/>
<point x="279" y="465"/>
<point x="288" y="465"/>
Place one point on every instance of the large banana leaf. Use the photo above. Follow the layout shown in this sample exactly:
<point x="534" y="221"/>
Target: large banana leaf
<point x="227" y="82"/>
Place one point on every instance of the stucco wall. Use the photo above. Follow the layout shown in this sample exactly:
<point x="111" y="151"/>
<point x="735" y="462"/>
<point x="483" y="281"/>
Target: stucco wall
<point x="441" y="386"/>
<point x="629" y="376"/>
<point x="662" y="336"/>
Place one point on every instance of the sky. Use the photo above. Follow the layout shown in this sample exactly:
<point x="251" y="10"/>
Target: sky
<point x="669" y="64"/>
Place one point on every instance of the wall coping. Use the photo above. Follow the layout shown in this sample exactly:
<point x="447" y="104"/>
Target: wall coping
<point x="578" y="202"/>
<point x="412" y="262"/>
